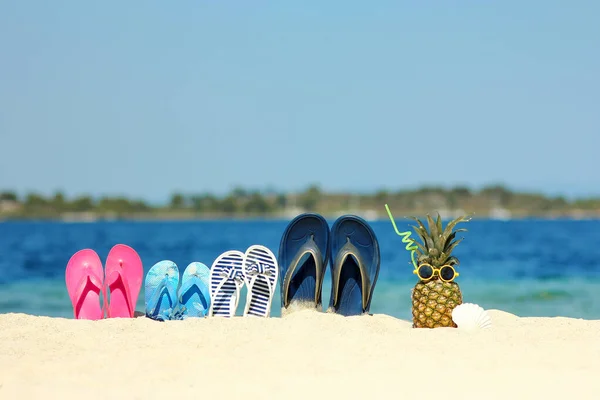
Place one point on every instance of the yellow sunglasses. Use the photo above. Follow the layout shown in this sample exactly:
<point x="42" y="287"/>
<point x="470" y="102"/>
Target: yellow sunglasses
<point x="426" y="272"/>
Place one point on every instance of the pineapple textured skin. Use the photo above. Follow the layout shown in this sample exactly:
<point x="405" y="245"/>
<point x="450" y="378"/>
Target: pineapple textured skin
<point x="433" y="302"/>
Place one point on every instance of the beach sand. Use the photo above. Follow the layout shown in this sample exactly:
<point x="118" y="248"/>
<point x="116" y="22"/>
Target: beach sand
<point x="305" y="355"/>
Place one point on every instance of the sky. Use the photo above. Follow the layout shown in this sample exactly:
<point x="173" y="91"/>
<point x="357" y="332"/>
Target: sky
<point x="144" y="98"/>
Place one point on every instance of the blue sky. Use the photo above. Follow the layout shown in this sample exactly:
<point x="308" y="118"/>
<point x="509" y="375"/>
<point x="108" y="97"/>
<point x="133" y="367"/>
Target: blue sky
<point x="143" y="98"/>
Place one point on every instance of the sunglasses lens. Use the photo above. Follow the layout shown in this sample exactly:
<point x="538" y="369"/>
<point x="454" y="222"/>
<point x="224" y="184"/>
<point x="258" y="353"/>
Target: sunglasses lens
<point x="425" y="271"/>
<point x="447" y="273"/>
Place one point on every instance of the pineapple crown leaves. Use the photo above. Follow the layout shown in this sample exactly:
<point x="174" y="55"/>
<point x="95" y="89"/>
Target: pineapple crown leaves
<point x="438" y="243"/>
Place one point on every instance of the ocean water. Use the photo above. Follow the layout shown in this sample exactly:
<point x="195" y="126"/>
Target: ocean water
<point x="526" y="267"/>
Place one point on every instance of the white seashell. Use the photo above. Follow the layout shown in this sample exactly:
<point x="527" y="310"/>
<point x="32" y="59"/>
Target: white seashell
<point x="469" y="316"/>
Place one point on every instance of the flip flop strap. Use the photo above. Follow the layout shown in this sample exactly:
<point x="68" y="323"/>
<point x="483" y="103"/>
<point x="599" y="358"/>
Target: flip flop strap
<point x="346" y="251"/>
<point x="255" y="278"/>
<point x="257" y="270"/>
<point x="228" y="274"/>
<point x="310" y="247"/>
<point x="231" y="272"/>
<point x="112" y="278"/>
<point x="82" y="283"/>
<point x="194" y="280"/>
<point x="154" y="299"/>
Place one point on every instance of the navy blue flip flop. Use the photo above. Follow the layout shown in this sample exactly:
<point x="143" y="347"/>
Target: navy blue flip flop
<point x="303" y="258"/>
<point x="355" y="266"/>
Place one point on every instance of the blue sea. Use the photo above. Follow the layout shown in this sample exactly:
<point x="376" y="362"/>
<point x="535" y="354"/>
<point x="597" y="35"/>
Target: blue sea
<point x="526" y="267"/>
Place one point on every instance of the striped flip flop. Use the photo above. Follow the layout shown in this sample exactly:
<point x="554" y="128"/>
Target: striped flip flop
<point x="260" y="273"/>
<point x="226" y="281"/>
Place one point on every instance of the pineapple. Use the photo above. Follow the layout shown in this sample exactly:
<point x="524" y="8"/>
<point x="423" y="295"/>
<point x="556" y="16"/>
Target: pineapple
<point x="434" y="300"/>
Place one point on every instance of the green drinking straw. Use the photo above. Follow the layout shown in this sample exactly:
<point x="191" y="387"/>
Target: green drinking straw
<point x="410" y="244"/>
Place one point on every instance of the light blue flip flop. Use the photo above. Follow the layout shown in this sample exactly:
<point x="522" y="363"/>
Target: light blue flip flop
<point x="160" y="291"/>
<point x="194" y="293"/>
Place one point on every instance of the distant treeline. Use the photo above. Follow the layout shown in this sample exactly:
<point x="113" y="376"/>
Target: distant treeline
<point x="493" y="200"/>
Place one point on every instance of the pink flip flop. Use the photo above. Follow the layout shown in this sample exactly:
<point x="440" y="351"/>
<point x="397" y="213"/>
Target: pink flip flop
<point x="124" y="274"/>
<point x="84" y="279"/>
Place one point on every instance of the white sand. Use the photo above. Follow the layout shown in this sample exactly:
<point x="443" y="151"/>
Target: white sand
<point x="306" y="355"/>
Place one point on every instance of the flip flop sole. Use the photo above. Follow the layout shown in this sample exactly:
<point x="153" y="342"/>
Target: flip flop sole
<point x="160" y="290"/>
<point x="226" y="280"/>
<point x="194" y="294"/>
<point x="124" y="272"/>
<point x="260" y="273"/>
<point x="84" y="281"/>
<point x="355" y="268"/>
<point x="303" y="258"/>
